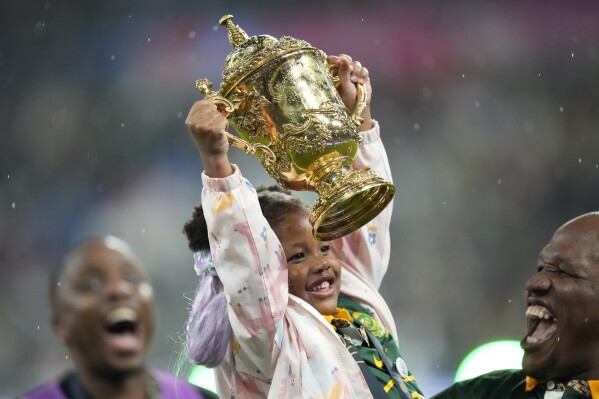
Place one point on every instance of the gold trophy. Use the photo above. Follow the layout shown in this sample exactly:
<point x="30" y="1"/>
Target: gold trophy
<point x="280" y="97"/>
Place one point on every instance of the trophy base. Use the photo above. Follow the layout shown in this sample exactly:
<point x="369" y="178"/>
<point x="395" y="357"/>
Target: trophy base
<point x="348" y="203"/>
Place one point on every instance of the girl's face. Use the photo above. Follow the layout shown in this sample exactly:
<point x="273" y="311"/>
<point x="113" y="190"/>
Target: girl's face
<point x="314" y="271"/>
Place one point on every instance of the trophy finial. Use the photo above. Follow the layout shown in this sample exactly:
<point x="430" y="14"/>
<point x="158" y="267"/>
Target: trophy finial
<point x="236" y="35"/>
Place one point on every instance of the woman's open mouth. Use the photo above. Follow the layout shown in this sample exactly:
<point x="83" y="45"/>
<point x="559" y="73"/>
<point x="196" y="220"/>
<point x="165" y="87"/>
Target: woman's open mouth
<point x="122" y="330"/>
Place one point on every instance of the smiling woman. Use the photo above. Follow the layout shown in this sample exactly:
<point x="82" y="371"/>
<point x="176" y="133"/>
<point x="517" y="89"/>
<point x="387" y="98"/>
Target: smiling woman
<point x="103" y="307"/>
<point x="103" y="311"/>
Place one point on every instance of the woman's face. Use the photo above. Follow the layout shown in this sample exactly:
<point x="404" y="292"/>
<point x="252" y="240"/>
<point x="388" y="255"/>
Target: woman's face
<point x="104" y="309"/>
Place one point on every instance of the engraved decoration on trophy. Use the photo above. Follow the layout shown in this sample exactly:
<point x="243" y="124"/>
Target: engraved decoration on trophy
<point x="280" y="97"/>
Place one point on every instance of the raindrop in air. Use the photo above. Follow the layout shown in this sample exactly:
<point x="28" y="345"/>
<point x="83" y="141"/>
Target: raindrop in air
<point x="579" y="160"/>
<point x="112" y="57"/>
<point x="13" y="205"/>
<point x="191" y="34"/>
<point x="416" y="126"/>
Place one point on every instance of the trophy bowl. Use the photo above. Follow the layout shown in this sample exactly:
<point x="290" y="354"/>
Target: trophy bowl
<point x="280" y="97"/>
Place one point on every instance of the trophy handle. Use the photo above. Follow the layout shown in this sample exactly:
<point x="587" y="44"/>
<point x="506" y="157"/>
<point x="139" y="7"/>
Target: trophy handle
<point x="360" y="92"/>
<point x="226" y="108"/>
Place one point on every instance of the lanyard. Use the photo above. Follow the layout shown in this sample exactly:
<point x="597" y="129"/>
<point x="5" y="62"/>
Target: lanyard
<point x="404" y="393"/>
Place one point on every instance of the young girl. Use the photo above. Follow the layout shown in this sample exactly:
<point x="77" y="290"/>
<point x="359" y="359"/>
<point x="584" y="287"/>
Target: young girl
<point x="281" y="314"/>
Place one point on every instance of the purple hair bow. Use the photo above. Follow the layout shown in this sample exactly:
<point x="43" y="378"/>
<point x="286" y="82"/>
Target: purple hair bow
<point x="203" y="264"/>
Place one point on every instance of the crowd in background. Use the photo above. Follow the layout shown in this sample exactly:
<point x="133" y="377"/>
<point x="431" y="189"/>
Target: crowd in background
<point x="489" y="112"/>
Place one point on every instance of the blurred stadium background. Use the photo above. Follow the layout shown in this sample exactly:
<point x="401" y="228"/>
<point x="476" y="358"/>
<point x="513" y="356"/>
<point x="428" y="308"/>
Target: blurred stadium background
<point x="489" y="110"/>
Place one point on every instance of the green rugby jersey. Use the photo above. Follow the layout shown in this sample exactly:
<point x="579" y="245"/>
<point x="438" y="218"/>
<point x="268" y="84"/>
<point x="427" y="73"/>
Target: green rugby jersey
<point x="365" y="349"/>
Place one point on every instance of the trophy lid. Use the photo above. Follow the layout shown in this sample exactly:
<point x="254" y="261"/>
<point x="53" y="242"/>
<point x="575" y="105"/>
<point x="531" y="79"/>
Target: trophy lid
<point x="250" y="53"/>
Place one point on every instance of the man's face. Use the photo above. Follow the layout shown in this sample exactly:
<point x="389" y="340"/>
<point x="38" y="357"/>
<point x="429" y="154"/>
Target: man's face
<point x="563" y="305"/>
<point x="314" y="271"/>
<point x="103" y="308"/>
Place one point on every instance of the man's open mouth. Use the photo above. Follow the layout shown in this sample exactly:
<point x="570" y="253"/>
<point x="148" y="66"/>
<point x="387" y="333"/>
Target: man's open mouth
<point x="541" y="323"/>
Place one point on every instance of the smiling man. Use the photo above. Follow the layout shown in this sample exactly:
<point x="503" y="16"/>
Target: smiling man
<point x="561" y="346"/>
<point x="103" y="312"/>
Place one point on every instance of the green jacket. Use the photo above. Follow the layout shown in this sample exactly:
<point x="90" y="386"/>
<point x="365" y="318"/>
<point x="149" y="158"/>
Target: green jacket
<point x="500" y="384"/>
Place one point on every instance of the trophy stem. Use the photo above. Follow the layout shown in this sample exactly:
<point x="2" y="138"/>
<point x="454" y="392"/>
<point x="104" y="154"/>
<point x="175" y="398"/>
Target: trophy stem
<point x="347" y="200"/>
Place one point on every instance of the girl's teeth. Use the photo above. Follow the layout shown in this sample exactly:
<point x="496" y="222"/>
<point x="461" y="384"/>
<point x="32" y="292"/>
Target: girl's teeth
<point x="322" y="286"/>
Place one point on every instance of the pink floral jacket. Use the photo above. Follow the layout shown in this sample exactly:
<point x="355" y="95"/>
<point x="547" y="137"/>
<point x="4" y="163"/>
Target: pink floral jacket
<point x="282" y="347"/>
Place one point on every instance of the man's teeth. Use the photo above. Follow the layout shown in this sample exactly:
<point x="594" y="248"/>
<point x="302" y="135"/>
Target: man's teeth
<point x="531" y="340"/>
<point x="539" y="312"/>
<point x="322" y="286"/>
<point x="120" y="315"/>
